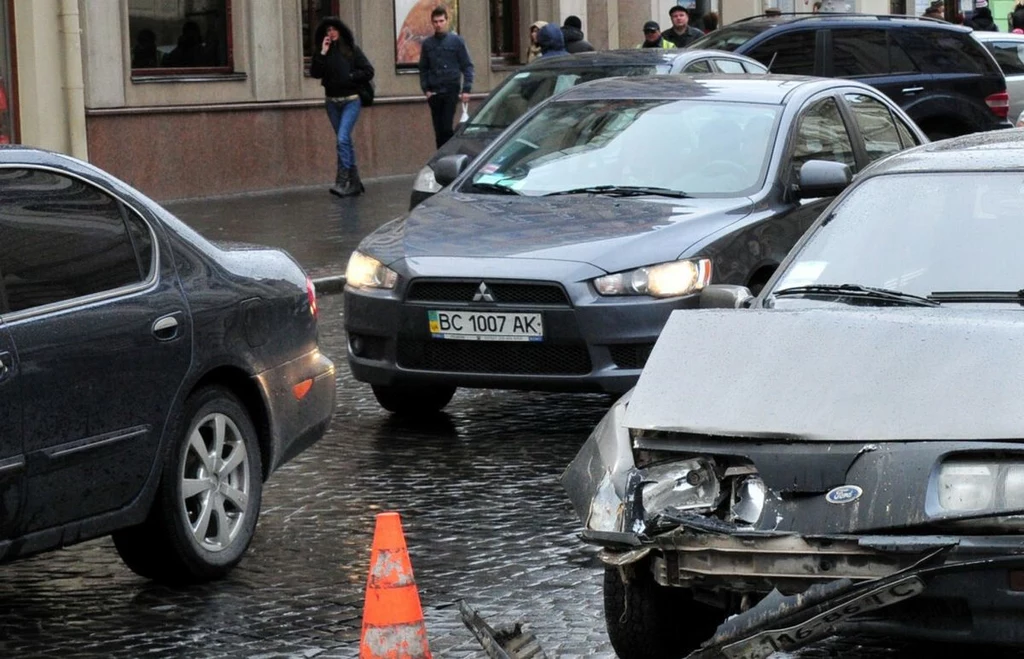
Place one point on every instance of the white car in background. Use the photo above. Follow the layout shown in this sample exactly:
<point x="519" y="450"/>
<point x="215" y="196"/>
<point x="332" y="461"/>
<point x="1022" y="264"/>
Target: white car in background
<point x="1008" y="49"/>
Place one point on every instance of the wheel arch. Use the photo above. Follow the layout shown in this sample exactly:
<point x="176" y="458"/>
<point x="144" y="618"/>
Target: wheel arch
<point x="239" y="383"/>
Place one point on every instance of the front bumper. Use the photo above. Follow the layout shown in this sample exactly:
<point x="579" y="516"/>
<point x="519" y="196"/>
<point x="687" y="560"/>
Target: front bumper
<point x="803" y="537"/>
<point x="296" y="422"/>
<point x="591" y="343"/>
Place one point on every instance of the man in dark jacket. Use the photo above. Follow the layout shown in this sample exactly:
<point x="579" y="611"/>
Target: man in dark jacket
<point x="572" y="31"/>
<point x="982" y="19"/>
<point x="681" y="34"/>
<point x="551" y="41"/>
<point x="446" y="74"/>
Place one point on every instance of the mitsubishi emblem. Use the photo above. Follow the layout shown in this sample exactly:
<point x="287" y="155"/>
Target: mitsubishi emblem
<point x="483" y="294"/>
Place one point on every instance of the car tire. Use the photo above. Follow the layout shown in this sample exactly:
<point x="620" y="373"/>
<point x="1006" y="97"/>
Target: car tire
<point x="648" y="621"/>
<point x="202" y="521"/>
<point x="413" y="401"/>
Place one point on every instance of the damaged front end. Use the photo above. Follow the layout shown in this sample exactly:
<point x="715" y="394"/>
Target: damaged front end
<point x="816" y="525"/>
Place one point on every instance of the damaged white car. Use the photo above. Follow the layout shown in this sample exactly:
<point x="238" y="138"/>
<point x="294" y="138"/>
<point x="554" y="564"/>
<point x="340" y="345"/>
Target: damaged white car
<point x="849" y="450"/>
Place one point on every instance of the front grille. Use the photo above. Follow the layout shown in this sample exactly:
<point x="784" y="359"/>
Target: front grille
<point x="631" y="355"/>
<point x="425" y="290"/>
<point x="494" y="357"/>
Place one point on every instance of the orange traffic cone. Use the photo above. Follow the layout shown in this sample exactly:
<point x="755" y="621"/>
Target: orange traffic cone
<point x="393" y="625"/>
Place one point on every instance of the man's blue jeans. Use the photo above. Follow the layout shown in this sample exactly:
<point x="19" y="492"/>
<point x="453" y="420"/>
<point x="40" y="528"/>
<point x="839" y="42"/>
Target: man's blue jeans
<point x="343" y="119"/>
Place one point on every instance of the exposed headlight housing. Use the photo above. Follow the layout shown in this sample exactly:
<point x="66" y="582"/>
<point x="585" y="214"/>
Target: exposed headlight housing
<point x="425" y="181"/>
<point x="367" y="272"/>
<point x="966" y="486"/>
<point x="670" y="279"/>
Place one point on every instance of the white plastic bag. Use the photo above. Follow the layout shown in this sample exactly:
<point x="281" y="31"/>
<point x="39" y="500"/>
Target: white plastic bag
<point x="465" y="113"/>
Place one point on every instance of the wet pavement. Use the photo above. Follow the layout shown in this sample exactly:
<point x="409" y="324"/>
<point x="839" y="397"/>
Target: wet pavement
<point x="484" y="516"/>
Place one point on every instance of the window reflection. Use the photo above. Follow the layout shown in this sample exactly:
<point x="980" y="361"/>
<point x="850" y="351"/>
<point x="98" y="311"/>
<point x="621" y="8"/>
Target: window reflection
<point x="179" y="34"/>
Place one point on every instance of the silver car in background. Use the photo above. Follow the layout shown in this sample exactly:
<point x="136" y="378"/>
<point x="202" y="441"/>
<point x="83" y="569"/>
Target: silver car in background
<point x="1008" y="49"/>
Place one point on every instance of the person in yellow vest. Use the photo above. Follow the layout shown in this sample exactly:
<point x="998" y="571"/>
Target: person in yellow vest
<point x="653" y="38"/>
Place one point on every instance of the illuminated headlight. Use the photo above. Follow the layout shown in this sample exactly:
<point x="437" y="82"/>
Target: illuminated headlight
<point x="425" y="181"/>
<point x="663" y="280"/>
<point x="367" y="272"/>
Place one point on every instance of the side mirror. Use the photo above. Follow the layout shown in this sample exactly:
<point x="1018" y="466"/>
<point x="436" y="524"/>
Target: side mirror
<point x="823" y="178"/>
<point x="448" y="168"/>
<point x="725" y="296"/>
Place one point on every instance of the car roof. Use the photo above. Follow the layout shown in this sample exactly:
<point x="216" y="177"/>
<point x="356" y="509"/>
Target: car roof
<point x="628" y="57"/>
<point x="769" y="89"/>
<point x="983" y="35"/>
<point x="975" y="152"/>
<point x="768" y="22"/>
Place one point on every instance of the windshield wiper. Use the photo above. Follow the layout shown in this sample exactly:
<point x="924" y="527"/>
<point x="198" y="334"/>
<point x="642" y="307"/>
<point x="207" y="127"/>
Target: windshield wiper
<point x="623" y="191"/>
<point x="979" y="296"/>
<point x="494" y="187"/>
<point x="858" y="291"/>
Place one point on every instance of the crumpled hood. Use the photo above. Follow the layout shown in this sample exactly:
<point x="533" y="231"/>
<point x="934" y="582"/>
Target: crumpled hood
<point x="856" y="374"/>
<point x="611" y="233"/>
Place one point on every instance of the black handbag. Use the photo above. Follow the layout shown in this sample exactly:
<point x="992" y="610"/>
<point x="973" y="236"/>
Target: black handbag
<point x="366" y="93"/>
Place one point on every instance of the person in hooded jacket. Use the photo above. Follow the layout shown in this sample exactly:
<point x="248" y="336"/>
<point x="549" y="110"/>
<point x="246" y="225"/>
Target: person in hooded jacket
<point x="572" y="32"/>
<point x="551" y="41"/>
<point x="342" y="68"/>
<point x="982" y="19"/>
<point x="534" y="51"/>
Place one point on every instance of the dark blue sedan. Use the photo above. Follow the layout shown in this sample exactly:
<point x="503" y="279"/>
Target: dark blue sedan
<point x="150" y="381"/>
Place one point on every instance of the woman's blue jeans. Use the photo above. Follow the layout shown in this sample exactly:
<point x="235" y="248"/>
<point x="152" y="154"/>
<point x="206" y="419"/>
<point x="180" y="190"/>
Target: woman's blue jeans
<point x="343" y="119"/>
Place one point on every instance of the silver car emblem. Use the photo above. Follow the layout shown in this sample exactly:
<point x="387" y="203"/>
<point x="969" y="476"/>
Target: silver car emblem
<point x="483" y="294"/>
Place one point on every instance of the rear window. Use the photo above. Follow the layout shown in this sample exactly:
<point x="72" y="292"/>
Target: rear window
<point x="1009" y="55"/>
<point x="942" y="51"/>
<point x="529" y="88"/>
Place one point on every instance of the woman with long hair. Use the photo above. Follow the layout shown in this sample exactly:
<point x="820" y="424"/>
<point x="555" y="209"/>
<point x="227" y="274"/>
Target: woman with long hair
<point x="342" y="69"/>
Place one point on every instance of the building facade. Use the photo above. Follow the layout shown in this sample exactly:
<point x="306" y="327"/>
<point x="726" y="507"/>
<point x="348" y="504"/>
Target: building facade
<point x="188" y="98"/>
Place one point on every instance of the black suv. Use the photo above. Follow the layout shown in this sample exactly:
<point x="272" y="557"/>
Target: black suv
<point x="944" y="80"/>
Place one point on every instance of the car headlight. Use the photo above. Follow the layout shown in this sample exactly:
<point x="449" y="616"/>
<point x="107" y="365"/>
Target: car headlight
<point x="662" y="280"/>
<point x="975" y="486"/>
<point x="367" y="272"/>
<point x="425" y="181"/>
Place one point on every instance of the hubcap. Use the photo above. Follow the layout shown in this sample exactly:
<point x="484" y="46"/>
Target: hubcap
<point x="215" y="482"/>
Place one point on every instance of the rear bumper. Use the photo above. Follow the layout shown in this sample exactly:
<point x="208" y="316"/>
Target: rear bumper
<point x="297" y="419"/>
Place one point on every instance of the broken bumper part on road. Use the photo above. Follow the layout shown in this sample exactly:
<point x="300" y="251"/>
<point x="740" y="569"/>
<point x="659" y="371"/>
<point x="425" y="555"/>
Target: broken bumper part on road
<point x="816" y="523"/>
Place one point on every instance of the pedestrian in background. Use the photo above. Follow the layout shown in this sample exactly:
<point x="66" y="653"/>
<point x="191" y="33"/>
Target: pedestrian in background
<point x="551" y="41"/>
<point x="572" y="31"/>
<point x="342" y="69"/>
<point x="710" y="22"/>
<point x="652" y="37"/>
<point x="982" y="19"/>
<point x="681" y="34"/>
<point x="534" y="51"/>
<point x="446" y="74"/>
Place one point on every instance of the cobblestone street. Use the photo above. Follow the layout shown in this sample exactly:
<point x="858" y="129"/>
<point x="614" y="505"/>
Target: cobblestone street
<point x="484" y="516"/>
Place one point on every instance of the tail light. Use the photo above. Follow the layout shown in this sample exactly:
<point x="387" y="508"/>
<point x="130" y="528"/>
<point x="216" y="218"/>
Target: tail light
<point x="311" y="294"/>
<point x="999" y="103"/>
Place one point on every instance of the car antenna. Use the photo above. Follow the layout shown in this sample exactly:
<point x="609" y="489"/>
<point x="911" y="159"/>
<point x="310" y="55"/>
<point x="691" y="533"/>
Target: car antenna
<point x="772" y="61"/>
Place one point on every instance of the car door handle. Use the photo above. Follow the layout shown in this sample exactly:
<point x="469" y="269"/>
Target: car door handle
<point x="912" y="90"/>
<point x="165" y="328"/>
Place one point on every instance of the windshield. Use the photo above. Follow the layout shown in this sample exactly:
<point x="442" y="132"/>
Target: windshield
<point x="529" y="88"/>
<point x="695" y="147"/>
<point x="729" y="38"/>
<point x="918" y="234"/>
